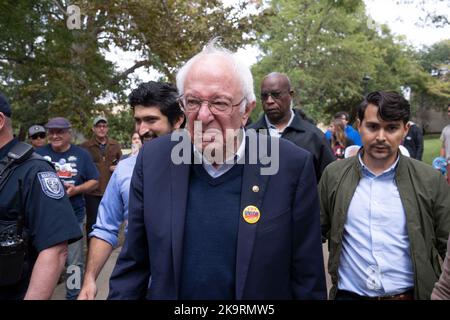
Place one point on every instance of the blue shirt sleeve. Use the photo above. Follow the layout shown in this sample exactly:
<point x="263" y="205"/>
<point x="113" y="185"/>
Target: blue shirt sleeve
<point x="328" y="135"/>
<point x="354" y="135"/>
<point x="110" y="213"/>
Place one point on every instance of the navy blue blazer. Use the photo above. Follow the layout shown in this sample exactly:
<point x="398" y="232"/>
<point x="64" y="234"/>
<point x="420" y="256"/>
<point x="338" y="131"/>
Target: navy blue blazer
<point x="279" y="257"/>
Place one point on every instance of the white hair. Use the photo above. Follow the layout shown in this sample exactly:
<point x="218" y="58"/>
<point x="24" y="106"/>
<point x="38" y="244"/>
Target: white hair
<point x="241" y="70"/>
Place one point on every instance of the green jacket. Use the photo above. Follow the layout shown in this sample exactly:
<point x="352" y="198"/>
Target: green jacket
<point x="425" y="196"/>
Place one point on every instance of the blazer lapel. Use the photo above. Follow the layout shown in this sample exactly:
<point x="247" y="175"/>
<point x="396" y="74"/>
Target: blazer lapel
<point x="252" y="194"/>
<point x="179" y="194"/>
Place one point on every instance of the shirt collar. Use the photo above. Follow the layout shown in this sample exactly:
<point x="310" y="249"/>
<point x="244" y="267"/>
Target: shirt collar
<point x="271" y="126"/>
<point x="7" y="147"/>
<point x="366" y="171"/>
<point x="97" y="142"/>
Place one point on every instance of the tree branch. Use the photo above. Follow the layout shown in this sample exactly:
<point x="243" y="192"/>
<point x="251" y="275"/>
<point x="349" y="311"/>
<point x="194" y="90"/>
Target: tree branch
<point x="125" y="73"/>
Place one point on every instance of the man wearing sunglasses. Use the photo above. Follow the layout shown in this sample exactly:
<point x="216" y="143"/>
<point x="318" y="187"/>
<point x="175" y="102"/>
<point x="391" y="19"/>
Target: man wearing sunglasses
<point x="281" y="121"/>
<point x="37" y="136"/>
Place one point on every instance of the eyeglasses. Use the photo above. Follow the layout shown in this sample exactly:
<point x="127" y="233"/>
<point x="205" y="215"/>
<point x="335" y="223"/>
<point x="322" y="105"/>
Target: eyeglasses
<point x="40" y="135"/>
<point x="274" y="94"/>
<point x="216" y="106"/>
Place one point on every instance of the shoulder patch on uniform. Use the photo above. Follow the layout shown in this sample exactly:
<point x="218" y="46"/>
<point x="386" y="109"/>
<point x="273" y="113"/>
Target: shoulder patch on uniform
<point x="51" y="185"/>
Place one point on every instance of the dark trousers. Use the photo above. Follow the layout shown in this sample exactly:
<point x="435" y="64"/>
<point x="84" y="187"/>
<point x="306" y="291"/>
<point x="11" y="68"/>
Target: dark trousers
<point x="92" y="203"/>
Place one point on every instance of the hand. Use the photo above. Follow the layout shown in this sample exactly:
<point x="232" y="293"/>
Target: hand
<point x="71" y="189"/>
<point x="88" y="291"/>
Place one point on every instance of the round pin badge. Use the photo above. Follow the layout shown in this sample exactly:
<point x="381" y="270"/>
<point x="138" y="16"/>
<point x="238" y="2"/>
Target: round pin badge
<point x="251" y="214"/>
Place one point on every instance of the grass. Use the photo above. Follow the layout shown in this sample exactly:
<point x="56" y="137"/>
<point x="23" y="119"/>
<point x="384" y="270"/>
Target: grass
<point x="432" y="145"/>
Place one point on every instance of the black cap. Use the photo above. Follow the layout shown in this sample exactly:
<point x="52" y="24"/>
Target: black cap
<point x="4" y="106"/>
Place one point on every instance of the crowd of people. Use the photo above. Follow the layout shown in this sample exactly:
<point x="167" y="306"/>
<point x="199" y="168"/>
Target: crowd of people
<point x="202" y="218"/>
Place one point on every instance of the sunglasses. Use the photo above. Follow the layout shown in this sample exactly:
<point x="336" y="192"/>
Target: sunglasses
<point x="274" y="94"/>
<point x="38" y="135"/>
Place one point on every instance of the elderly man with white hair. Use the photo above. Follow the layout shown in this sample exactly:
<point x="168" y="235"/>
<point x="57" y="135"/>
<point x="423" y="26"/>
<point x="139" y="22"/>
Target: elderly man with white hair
<point x="213" y="226"/>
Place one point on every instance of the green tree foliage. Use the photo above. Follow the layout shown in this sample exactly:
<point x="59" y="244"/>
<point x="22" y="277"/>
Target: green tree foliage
<point x="326" y="47"/>
<point x="179" y="29"/>
<point x="48" y="70"/>
<point x="436" y="61"/>
<point x="121" y="126"/>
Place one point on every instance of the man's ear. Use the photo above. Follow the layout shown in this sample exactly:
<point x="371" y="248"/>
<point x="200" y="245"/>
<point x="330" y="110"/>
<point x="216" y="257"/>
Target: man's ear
<point x="291" y="93"/>
<point x="179" y="122"/>
<point x="358" y="125"/>
<point x="248" y="111"/>
<point x="407" y="126"/>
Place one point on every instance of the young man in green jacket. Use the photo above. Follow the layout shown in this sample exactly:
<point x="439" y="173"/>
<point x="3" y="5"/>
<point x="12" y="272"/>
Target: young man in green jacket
<point x="386" y="216"/>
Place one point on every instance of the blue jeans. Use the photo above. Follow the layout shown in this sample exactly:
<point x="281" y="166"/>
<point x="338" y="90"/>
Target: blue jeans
<point x="75" y="268"/>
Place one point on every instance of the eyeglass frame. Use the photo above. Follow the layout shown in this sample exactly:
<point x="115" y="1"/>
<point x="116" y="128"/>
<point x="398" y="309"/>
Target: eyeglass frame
<point x="209" y="104"/>
<point x="274" y="94"/>
<point x="41" y="135"/>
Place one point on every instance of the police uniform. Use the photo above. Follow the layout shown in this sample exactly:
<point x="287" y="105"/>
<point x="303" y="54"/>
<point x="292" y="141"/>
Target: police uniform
<point x="48" y="215"/>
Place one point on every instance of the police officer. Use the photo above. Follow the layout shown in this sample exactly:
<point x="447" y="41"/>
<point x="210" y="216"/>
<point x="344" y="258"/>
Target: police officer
<point x="36" y="219"/>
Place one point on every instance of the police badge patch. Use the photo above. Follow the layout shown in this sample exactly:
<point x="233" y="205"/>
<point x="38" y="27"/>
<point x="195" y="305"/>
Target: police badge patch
<point x="51" y="185"/>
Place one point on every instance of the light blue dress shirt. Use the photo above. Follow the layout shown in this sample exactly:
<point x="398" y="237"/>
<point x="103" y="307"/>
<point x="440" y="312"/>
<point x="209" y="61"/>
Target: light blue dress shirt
<point x="113" y="209"/>
<point x="375" y="258"/>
